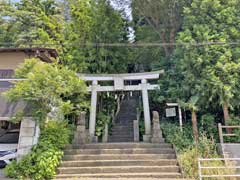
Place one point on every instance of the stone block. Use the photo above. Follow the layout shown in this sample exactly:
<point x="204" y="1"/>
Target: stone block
<point x="80" y="140"/>
<point x="81" y="119"/>
<point x="24" y="151"/>
<point x="136" y="130"/>
<point x="28" y="122"/>
<point x="93" y="139"/>
<point x="25" y="141"/>
<point x="118" y="83"/>
<point x="81" y="128"/>
<point x="105" y="135"/>
<point x="156" y="130"/>
<point x="27" y="131"/>
<point x="147" y="138"/>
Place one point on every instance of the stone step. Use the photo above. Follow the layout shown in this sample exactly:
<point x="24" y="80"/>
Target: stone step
<point x="120" y="151"/>
<point x="119" y="176"/>
<point x="121" y="133"/>
<point x="125" y="118"/>
<point x="128" y="128"/>
<point x="119" y="139"/>
<point x="124" y="140"/>
<point x="123" y="127"/>
<point x="128" y="136"/>
<point x="120" y="145"/>
<point x="119" y="157"/>
<point x="117" y="169"/>
<point x="88" y="163"/>
<point x="125" y="131"/>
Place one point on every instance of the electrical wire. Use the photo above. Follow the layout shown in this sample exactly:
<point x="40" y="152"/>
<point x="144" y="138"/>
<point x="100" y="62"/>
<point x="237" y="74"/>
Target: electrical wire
<point x="137" y="44"/>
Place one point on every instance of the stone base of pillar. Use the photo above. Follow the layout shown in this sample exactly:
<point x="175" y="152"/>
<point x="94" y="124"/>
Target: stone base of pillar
<point x="79" y="135"/>
<point x="93" y="139"/>
<point x="147" y="138"/>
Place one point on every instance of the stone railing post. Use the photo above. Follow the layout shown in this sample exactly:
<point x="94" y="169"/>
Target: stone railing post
<point x="105" y="134"/>
<point x="113" y="117"/>
<point x="28" y="136"/>
<point x="136" y="126"/>
<point x="136" y="130"/>
<point x="156" y="130"/>
<point x="80" y="134"/>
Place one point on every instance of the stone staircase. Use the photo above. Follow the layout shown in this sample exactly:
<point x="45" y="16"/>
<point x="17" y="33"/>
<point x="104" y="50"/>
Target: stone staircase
<point x="122" y="130"/>
<point x="119" y="161"/>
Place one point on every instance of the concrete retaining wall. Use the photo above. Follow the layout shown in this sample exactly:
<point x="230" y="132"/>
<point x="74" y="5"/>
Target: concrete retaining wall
<point x="29" y="133"/>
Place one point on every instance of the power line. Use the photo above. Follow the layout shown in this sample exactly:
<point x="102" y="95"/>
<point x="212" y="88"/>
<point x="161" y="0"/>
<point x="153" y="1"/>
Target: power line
<point x="125" y="44"/>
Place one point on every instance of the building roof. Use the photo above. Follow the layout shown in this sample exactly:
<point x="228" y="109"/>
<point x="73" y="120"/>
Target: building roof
<point x="45" y="54"/>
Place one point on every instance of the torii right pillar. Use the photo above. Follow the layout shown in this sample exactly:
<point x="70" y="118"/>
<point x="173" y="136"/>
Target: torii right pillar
<point x="147" y="119"/>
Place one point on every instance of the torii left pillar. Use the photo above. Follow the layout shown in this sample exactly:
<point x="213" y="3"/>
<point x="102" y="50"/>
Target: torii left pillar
<point x="93" y="110"/>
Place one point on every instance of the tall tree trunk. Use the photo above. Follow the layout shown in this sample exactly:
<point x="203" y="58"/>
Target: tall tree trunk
<point x="194" y="125"/>
<point x="226" y="112"/>
<point x="226" y="116"/>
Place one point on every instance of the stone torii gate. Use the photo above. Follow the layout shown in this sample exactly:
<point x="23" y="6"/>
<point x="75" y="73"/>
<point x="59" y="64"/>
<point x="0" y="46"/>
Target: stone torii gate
<point x="119" y="85"/>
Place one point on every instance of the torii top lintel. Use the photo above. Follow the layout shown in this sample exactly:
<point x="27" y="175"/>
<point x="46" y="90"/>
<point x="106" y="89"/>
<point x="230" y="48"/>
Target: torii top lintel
<point x="119" y="79"/>
<point x="129" y="76"/>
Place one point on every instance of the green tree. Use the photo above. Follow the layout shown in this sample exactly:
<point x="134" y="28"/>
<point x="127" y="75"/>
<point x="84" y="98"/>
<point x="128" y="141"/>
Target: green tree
<point x="96" y="22"/>
<point x="32" y="22"/>
<point x="8" y="26"/>
<point x="48" y="86"/>
<point x="159" y="20"/>
<point x="212" y="70"/>
<point x="39" y="22"/>
<point x="192" y="105"/>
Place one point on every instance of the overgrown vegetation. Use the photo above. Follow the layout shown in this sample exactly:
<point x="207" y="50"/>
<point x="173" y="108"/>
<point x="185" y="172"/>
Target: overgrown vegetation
<point x="41" y="163"/>
<point x="189" y="150"/>
<point x="102" y="120"/>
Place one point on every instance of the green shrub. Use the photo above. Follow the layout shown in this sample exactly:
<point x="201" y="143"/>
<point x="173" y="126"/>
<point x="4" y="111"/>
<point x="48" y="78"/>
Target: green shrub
<point x="209" y="126"/>
<point x="55" y="134"/>
<point x="102" y="119"/>
<point x="41" y="163"/>
<point x="174" y="135"/>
